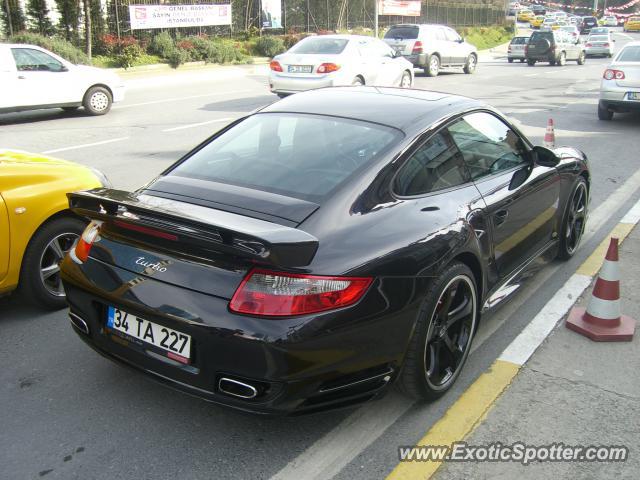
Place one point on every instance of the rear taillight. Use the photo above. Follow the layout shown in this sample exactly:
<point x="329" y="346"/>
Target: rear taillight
<point x="328" y="68"/>
<point x="588" y="45"/>
<point x="605" y="45"/>
<point x="275" y="66"/>
<point x="417" y="48"/>
<point x="526" y="49"/>
<point x="80" y="253"/>
<point x="610" y="74"/>
<point x="270" y="293"/>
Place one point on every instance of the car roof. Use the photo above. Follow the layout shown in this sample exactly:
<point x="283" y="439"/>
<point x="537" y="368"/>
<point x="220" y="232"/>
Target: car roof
<point x="404" y="109"/>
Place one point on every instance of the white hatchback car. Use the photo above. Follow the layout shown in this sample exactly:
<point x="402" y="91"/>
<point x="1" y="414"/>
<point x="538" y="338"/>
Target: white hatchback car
<point x="338" y="60"/>
<point x="34" y="78"/>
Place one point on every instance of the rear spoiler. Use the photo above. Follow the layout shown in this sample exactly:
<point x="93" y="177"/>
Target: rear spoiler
<point x="207" y="227"/>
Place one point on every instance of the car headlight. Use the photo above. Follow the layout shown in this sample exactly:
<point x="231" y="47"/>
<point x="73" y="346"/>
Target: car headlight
<point x="102" y="177"/>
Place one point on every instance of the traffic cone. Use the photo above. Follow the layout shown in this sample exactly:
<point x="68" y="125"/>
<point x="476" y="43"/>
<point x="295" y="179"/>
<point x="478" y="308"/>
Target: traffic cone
<point x="602" y="321"/>
<point x="550" y="135"/>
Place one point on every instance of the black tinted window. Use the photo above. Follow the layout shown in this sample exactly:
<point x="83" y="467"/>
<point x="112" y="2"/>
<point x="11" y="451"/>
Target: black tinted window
<point x="487" y="144"/>
<point x="402" y="33"/>
<point x="302" y="156"/>
<point x="519" y="40"/>
<point x="436" y="165"/>
<point x="312" y="45"/>
<point x="535" y="36"/>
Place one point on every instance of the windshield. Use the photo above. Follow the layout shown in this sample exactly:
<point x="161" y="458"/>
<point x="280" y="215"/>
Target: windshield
<point x="298" y="155"/>
<point x="319" y="45"/>
<point x="403" y="33"/>
<point x="630" y="54"/>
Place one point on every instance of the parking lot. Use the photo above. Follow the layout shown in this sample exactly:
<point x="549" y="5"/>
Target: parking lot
<point x="68" y="413"/>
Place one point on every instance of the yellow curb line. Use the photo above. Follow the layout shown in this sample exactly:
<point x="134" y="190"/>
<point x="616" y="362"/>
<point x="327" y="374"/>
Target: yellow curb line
<point x="473" y="406"/>
<point x="461" y="418"/>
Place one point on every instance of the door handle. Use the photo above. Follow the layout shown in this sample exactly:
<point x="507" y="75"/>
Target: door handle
<point x="501" y="216"/>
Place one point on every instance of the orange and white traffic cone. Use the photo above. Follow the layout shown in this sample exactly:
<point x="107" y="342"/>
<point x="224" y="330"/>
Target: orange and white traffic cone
<point x="602" y="321"/>
<point x="550" y="135"/>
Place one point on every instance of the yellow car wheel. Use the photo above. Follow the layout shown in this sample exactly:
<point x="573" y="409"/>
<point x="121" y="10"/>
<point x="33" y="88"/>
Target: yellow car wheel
<point x="40" y="273"/>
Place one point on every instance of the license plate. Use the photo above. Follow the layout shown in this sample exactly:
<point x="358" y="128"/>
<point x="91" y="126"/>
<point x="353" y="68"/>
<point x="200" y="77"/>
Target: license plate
<point x="177" y="345"/>
<point x="633" y="95"/>
<point x="300" y="68"/>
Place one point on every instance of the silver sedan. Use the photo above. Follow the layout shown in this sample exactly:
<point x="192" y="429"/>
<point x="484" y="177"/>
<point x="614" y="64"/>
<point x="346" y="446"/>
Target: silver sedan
<point x="337" y="60"/>
<point x="620" y="87"/>
<point x="599" y="44"/>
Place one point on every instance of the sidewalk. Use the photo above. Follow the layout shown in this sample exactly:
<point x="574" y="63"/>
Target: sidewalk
<point x="571" y="391"/>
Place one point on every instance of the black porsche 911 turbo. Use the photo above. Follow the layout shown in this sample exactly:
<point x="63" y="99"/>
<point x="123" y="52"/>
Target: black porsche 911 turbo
<point x="312" y="253"/>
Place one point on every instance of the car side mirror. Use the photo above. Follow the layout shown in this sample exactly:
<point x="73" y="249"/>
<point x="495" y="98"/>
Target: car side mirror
<point x="460" y="40"/>
<point x="545" y="157"/>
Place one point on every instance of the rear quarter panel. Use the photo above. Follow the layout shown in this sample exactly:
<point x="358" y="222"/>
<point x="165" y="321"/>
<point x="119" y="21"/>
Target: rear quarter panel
<point x="40" y="188"/>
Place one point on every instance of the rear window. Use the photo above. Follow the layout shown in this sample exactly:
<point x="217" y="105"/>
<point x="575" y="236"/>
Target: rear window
<point x="629" y="54"/>
<point x="403" y="33"/>
<point x="598" y="38"/>
<point x="590" y="21"/>
<point x="297" y="155"/>
<point x="519" y="40"/>
<point x="320" y="45"/>
<point x="535" y="36"/>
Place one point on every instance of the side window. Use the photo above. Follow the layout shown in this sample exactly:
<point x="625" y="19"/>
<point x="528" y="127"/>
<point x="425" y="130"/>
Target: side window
<point x="451" y="35"/>
<point x="436" y="165"/>
<point x="440" y="34"/>
<point x="487" y="144"/>
<point x="29" y="60"/>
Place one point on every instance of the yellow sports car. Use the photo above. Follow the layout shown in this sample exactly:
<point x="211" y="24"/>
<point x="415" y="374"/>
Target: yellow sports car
<point x="536" y="22"/>
<point x="36" y="226"/>
<point x="525" y="15"/>
<point x="632" y="24"/>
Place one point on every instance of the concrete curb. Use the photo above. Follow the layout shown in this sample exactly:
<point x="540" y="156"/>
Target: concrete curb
<point x="472" y="407"/>
<point x="165" y="68"/>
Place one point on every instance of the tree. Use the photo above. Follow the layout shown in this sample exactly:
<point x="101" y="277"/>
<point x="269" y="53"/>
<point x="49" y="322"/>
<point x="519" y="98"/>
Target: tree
<point x="87" y="26"/>
<point x="38" y="13"/>
<point x="69" y="11"/>
<point x="12" y="16"/>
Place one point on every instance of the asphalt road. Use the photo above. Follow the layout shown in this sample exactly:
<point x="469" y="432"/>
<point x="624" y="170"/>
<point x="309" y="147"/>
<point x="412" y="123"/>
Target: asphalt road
<point x="68" y="413"/>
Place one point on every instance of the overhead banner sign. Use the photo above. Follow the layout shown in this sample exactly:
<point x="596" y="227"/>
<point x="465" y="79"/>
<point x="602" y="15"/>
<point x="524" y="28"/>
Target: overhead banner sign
<point x="173" y="16"/>
<point x="271" y="14"/>
<point x="407" y="8"/>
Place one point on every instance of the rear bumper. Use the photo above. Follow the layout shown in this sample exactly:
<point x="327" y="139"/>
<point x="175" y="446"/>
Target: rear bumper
<point x="298" y="365"/>
<point x="288" y="84"/>
<point x="598" y="51"/>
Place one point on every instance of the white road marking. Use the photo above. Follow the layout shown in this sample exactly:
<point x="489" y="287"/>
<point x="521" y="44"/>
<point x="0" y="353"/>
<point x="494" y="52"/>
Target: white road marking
<point x="624" y="35"/>
<point x="85" y="145"/>
<point x="178" y="99"/>
<point x="533" y="335"/>
<point x="331" y="453"/>
<point x="199" y="124"/>
<point x="531" y="74"/>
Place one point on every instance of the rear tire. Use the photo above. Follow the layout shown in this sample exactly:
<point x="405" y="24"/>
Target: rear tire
<point x="562" y="61"/>
<point x="39" y="275"/>
<point x="531" y="63"/>
<point x="471" y="64"/>
<point x="582" y="58"/>
<point x="433" y="66"/>
<point x="436" y="354"/>
<point x="97" y="101"/>
<point x="574" y="220"/>
<point x="510" y="60"/>
<point x="604" y="113"/>
<point x="357" y="82"/>
<point x="522" y="60"/>
<point x="406" y="81"/>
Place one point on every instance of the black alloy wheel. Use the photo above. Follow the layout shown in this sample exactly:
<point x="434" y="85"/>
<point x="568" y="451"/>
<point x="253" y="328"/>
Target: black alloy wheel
<point x="442" y="341"/>
<point x="575" y="220"/>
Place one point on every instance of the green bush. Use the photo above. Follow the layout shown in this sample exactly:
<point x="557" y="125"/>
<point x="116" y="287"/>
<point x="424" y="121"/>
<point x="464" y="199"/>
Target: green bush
<point x="54" y="44"/>
<point x="129" y="56"/>
<point x="270" y="46"/>
<point x="177" y="57"/>
<point x="162" y="45"/>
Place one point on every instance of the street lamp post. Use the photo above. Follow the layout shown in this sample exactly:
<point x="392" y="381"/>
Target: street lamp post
<point x="375" y="22"/>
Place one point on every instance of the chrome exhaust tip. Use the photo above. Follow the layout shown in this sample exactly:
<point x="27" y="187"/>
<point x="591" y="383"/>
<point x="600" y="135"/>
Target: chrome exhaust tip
<point x="238" y="389"/>
<point x="79" y="323"/>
